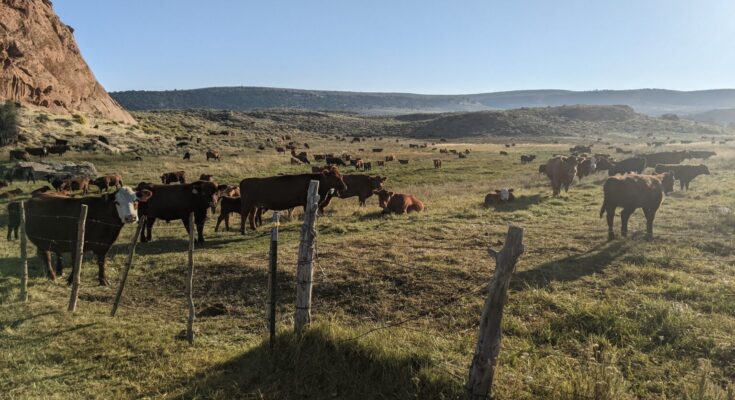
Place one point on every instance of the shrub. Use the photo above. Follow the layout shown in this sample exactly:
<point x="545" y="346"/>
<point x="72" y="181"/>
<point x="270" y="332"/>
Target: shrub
<point x="8" y="124"/>
<point x="80" y="119"/>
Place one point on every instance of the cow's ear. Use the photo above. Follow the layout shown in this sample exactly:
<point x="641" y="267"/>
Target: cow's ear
<point x="390" y="193"/>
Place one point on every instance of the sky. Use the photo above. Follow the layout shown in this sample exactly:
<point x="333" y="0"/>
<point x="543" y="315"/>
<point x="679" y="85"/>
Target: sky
<point x="433" y="47"/>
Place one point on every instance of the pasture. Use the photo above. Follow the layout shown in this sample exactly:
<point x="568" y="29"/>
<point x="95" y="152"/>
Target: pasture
<point x="397" y="298"/>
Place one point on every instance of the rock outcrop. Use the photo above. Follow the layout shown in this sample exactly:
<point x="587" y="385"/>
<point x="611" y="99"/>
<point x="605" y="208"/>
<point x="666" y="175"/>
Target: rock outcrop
<point x="41" y="66"/>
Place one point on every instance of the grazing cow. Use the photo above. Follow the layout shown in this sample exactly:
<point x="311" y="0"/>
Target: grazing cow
<point x="18" y="173"/>
<point x="367" y="166"/>
<point x="13" y="219"/>
<point x="443" y="151"/>
<point x="437" y="163"/>
<point x="335" y="161"/>
<point x="175" y="176"/>
<point x="603" y="163"/>
<point x="40" y="190"/>
<point x="586" y="167"/>
<point x="380" y="163"/>
<point x="362" y="186"/>
<point x="504" y="195"/>
<point x="634" y="191"/>
<point x="75" y="184"/>
<point x="319" y="157"/>
<point x="703" y="154"/>
<point x="227" y="206"/>
<point x="51" y="224"/>
<point x="561" y="171"/>
<point x="59" y="149"/>
<point x="108" y="181"/>
<point x="21" y="155"/>
<point x="461" y="155"/>
<point x="283" y="192"/>
<point x="377" y="150"/>
<point x="525" y="159"/>
<point x="633" y="164"/>
<point x="398" y="203"/>
<point x="302" y="157"/>
<point x="667" y="157"/>
<point x="503" y="153"/>
<point x="683" y="173"/>
<point x="187" y="156"/>
<point x="206" y="177"/>
<point x="213" y="154"/>
<point x="390" y="158"/>
<point x="402" y="161"/>
<point x="280" y="150"/>
<point x="37" y="151"/>
<point x="177" y="202"/>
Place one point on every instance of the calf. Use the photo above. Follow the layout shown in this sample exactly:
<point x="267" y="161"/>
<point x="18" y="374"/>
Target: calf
<point x="561" y="171"/>
<point x="227" y="205"/>
<point x="525" y="159"/>
<point x="362" y="186"/>
<point x="437" y="163"/>
<point x="634" y="191"/>
<point x="171" y="177"/>
<point x="499" y="196"/>
<point x="633" y="164"/>
<point x="108" y="181"/>
<point x="75" y="184"/>
<point x="398" y="203"/>
<point x="213" y="154"/>
<point x="683" y="173"/>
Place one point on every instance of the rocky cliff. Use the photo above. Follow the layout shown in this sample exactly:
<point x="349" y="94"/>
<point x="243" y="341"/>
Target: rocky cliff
<point x="41" y="66"/>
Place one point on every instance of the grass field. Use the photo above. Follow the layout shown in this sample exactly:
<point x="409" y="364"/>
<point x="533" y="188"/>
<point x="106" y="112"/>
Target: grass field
<point x="586" y="318"/>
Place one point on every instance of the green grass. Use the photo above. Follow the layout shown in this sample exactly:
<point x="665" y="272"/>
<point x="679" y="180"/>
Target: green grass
<point x="586" y="318"/>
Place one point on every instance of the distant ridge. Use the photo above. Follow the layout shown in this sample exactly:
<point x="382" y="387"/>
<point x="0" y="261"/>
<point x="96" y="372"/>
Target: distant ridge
<point x="649" y="101"/>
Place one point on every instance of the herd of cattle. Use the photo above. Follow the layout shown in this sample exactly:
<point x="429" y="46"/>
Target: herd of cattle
<point x="51" y="214"/>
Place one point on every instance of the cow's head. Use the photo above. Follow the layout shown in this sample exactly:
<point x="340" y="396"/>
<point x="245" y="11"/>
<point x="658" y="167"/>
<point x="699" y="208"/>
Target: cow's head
<point x="384" y="197"/>
<point x="376" y="183"/>
<point x="163" y="178"/>
<point x="667" y="182"/>
<point x="504" y="193"/>
<point x="126" y="202"/>
<point x="702" y="169"/>
<point x="333" y="179"/>
<point x="593" y="164"/>
<point x="206" y="193"/>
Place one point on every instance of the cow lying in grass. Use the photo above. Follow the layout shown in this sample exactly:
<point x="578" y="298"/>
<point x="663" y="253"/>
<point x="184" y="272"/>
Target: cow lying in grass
<point x="499" y="196"/>
<point x="634" y="191"/>
<point x="683" y="173"/>
<point x="398" y="203"/>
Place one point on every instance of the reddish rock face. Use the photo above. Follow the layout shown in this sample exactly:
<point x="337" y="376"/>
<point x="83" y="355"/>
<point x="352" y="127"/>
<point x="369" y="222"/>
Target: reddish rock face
<point x="41" y="66"/>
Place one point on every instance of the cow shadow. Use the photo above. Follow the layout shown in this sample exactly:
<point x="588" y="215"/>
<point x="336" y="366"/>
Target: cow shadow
<point x="317" y="365"/>
<point x="572" y="267"/>
<point x="172" y="245"/>
<point x="520" y="203"/>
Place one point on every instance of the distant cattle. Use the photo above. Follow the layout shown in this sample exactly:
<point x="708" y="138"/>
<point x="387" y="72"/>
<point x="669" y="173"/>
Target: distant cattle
<point x="631" y="192"/>
<point x="400" y="161"/>
<point x="175" y="176"/>
<point x="499" y="196"/>
<point x="283" y="192"/>
<point x="76" y="184"/>
<point x="633" y="164"/>
<point x="561" y="171"/>
<point x="683" y="173"/>
<point x="108" y="181"/>
<point x="227" y="206"/>
<point x="302" y="157"/>
<point x="319" y="157"/>
<point x="398" y="203"/>
<point x="51" y="224"/>
<point x="59" y="149"/>
<point x="214" y="155"/>
<point x="37" y="151"/>
<point x="667" y="157"/>
<point x="586" y="167"/>
<point x="503" y="153"/>
<point x="581" y="149"/>
<point x="525" y="159"/>
<point x="380" y="163"/>
<point x="443" y="151"/>
<point x="367" y="166"/>
<point x="437" y="163"/>
<point x="462" y="155"/>
<point x="187" y="156"/>
<point x="360" y="186"/>
<point x="701" y="154"/>
<point x="280" y="150"/>
<point x="390" y="158"/>
<point x="377" y="150"/>
<point x="21" y="155"/>
<point x="335" y="161"/>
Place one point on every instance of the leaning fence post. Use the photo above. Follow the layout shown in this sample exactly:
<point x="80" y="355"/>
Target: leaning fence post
<point x="304" y="270"/>
<point x="190" y="282"/>
<point x="273" y="281"/>
<point x="78" y="257"/>
<point x="485" y="359"/>
<point x="128" y="263"/>
<point x="23" y="254"/>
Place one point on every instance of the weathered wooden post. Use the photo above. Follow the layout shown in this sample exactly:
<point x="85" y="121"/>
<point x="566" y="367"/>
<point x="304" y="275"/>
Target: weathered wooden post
<point x="483" y="365"/>
<point x="190" y="282"/>
<point x="128" y="263"/>
<point x="304" y="270"/>
<point x="273" y="281"/>
<point x="23" y="254"/>
<point x="78" y="257"/>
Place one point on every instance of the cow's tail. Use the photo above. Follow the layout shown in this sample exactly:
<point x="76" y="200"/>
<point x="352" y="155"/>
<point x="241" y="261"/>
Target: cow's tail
<point x="602" y="209"/>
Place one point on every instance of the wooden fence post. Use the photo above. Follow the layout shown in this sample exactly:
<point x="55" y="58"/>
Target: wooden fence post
<point x="78" y="257"/>
<point x="190" y="282"/>
<point x="273" y="281"/>
<point x="485" y="359"/>
<point x="128" y="263"/>
<point x="23" y="254"/>
<point x="304" y="270"/>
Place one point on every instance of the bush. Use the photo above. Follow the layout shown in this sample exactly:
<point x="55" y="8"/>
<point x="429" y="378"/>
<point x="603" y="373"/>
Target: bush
<point x="80" y="119"/>
<point x="8" y="124"/>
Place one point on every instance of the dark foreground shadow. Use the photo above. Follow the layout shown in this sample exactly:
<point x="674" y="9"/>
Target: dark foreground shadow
<point x="318" y="366"/>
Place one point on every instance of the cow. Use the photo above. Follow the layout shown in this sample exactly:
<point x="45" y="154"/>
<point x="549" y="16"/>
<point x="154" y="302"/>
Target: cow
<point x="377" y="150"/>
<point x="37" y="151"/>
<point x="525" y="159"/>
<point x="390" y="158"/>
<point x="362" y="186"/>
<point x="227" y="205"/>
<point x="380" y="163"/>
<point x="171" y="177"/>
<point x="177" y="202"/>
<point x="603" y="163"/>
<point x="667" y="157"/>
<point x="504" y="195"/>
<point x="542" y="169"/>
<point x="302" y="157"/>
<point x="77" y="183"/>
<point x="213" y="154"/>
<point x="11" y="193"/>
<point x="21" y="155"/>
<point x="206" y="177"/>
<point x="59" y="149"/>
<point x="228" y="190"/>
<point x="367" y="166"/>
<point x="634" y="191"/>
<point x="683" y="173"/>
<point x="187" y="156"/>
<point x="437" y="163"/>
<point x="40" y="190"/>
<point x="51" y="224"/>
<point x="398" y="203"/>
<point x="280" y="150"/>
<point x="442" y="151"/>
<point x="703" y="154"/>
<point x="561" y="171"/>
<point x="13" y="219"/>
<point x="581" y="149"/>
<point x="108" y="181"/>
<point x="335" y="161"/>
<point x="503" y="153"/>
<point x="586" y="167"/>
<point x="283" y="192"/>
<point x="633" y="164"/>
<point x="402" y="161"/>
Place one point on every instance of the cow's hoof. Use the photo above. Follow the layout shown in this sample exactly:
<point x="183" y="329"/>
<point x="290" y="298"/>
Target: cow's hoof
<point x="610" y="237"/>
<point x="649" y="238"/>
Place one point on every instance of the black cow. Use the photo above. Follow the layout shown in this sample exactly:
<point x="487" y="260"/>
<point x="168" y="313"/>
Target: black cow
<point x="633" y="164"/>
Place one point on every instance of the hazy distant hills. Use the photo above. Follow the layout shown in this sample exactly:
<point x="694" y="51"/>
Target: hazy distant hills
<point x="648" y="101"/>
<point x="722" y="116"/>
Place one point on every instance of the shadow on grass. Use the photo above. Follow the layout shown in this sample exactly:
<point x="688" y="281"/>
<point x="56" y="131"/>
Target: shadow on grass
<point x="572" y="267"/>
<point x="171" y="245"/>
<point x="320" y="365"/>
<point x="521" y="203"/>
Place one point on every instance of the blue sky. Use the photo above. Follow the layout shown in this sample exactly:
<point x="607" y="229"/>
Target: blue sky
<point x="405" y="45"/>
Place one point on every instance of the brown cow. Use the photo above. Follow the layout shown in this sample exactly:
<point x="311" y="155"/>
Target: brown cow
<point x="499" y="196"/>
<point x="280" y="150"/>
<point x="75" y="184"/>
<point x="228" y="205"/>
<point x="283" y="192"/>
<point x="437" y="163"/>
<point x="390" y="158"/>
<point x="213" y="154"/>
<point x="59" y="149"/>
<point x="206" y="177"/>
<point x="561" y="171"/>
<point x="398" y="203"/>
<point x="302" y="157"/>
<point x="503" y="153"/>
<point x="586" y="167"/>
<point x="634" y="191"/>
<point x="683" y="173"/>
<point x="21" y="155"/>
<point x="228" y="190"/>
<point x="175" y="176"/>
<point x="108" y="181"/>
<point x="362" y="186"/>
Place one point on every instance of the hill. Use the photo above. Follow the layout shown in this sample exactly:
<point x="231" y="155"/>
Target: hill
<point x="648" y="101"/>
<point x="721" y="116"/>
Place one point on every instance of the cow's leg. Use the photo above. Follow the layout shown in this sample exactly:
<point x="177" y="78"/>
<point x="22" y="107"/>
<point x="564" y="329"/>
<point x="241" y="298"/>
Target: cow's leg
<point x="16" y="231"/>
<point x="624" y="216"/>
<point x="252" y="214"/>
<point x="362" y="200"/>
<point x="59" y="265"/>
<point x="650" y="214"/>
<point x="10" y="231"/>
<point x="199" y="221"/>
<point x="259" y="217"/>
<point x="148" y="236"/>
<point x="244" y="213"/>
<point x="45" y="257"/>
<point x="610" y="219"/>
<point x="219" y="221"/>
<point x="102" y="275"/>
<point x="227" y="222"/>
